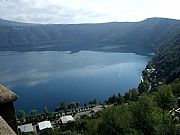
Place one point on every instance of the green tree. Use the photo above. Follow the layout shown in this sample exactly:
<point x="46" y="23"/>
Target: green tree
<point x="165" y="98"/>
<point x="143" y="87"/>
<point x="94" y="101"/>
<point x="150" y="119"/>
<point x="63" y="106"/>
<point x="134" y="94"/>
<point x="33" y="112"/>
<point x="46" y="112"/>
<point x="127" y="96"/>
<point x="77" y="104"/>
<point x="21" y="116"/>
<point x="112" y="100"/>
<point x="33" y="115"/>
<point x="115" y="121"/>
<point x="85" y="104"/>
<point x="144" y="111"/>
<point x="176" y="88"/>
<point x="120" y="99"/>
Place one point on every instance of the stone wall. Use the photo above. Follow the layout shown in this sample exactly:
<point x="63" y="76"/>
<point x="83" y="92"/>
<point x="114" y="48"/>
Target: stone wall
<point x="7" y="112"/>
<point x="4" y="128"/>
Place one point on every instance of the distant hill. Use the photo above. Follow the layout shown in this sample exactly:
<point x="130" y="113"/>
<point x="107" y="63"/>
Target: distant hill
<point x="143" y="36"/>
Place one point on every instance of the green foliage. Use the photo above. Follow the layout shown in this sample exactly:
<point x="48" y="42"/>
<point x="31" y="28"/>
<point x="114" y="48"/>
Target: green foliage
<point x="143" y="87"/>
<point x="116" y="120"/>
<point x="176" y="88"/>
<point x="77" y="104"/>
<point x="93" y="102"/>
<point x="127" y="96"/>
<point x="51" y="132"/>
<point x="165" y="98"/>
<point x="146" y="115"/>
<point x="134" y="94"/>
<point x="46" y="112"/>
<point x="85" y="104"/>
<point x="166" y="60"/>
<point x="33" y="112"/>
<point x="115" y="99"/>
<point x="139" y="117"/>
<point x="139" y="36"/>
<point x="21" y="116"/>
<point x="63" y="106"/>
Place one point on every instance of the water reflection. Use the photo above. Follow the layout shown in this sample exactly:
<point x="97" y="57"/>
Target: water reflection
<point x="60" y="74"/>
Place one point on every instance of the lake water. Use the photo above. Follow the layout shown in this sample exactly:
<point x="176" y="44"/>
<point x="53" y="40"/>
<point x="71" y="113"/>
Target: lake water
<point x="46" y="78"/>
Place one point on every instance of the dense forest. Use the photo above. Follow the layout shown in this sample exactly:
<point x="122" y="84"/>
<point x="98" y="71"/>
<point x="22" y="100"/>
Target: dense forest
<point x="138" y="37"/>
<point x="167" y="59"/>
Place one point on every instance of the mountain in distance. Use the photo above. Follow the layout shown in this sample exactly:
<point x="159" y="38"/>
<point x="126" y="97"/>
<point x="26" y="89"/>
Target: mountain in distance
<point x="159" y="35"/>
<point x="8" y="23"/>
<point x="138" y="37"/>
<point x="13" y="23"/>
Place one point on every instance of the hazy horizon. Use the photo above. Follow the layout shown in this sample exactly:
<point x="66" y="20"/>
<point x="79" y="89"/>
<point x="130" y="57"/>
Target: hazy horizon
<point x="89" y="11"/>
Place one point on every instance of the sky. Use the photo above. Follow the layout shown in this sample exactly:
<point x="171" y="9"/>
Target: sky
<point x="87" y="11"/>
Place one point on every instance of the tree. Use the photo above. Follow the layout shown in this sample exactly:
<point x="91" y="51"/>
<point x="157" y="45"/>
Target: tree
<point x="165" y="98"/>
<point x="149" y="118"/>
<point x="144" y="112"/>
<point x="33" y="112"/>
<point x="72" y="105"/>
<point x="94" y="101"/>
<point x="21" y="116"/>
<point x="77" y="104"/>
<point x="46" y="112"/>
<point x="143" y="87"/>
<point x="134" y="94"/>
<point x="63" y="105"/>
<point x="113" y="99"/>
<point x="127" y="96"/>
<point x="85" y="104"/>
<point x="33" y="115"/>
<point x="116" y="121"/>
<point x="176" y="87"/>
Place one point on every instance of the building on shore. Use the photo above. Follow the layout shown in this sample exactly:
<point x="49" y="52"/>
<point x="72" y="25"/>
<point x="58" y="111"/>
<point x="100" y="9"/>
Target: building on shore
<point x="7" y="110"/>
<point x="26" y="128"/>
<point x="44" y="125"/>
<point x="66" y="119"/>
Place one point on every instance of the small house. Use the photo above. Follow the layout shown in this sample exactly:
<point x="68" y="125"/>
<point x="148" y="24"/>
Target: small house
<point x="44" y="125"/>
<point x="66" y="119"/>
<point x="26" y="128"/>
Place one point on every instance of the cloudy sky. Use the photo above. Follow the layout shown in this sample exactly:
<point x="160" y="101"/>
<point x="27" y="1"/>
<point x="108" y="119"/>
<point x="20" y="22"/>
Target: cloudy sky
<point x="87" y="11"/>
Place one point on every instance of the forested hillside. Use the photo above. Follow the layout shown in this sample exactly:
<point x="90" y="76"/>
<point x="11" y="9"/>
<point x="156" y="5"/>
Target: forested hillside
<point x="140" y="36"/>
<point x="167" y="58"/>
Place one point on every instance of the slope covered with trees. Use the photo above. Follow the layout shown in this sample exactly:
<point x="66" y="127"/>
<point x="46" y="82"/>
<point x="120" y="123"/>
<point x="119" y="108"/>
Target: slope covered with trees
<point x="140" y="36"/>
<point x="167" y="58"/>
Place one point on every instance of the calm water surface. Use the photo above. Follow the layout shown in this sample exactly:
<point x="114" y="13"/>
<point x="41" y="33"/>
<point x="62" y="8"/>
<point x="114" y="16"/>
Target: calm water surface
<point x="46" y="78"/>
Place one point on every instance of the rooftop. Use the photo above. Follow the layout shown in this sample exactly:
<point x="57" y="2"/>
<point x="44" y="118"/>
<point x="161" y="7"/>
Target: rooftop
<point x="44" y="125"/>
<point x="66" y="119"/>
<point x="6" y="95"/>
<point x="26" y="128"/>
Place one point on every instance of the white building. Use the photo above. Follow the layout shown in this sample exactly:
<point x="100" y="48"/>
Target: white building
<point x="66" y="119"/>
<point x="44" y="124"/>
<point x="26" y="128"/>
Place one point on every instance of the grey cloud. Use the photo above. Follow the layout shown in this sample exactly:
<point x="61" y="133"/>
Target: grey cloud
<point x="25" y="11"/>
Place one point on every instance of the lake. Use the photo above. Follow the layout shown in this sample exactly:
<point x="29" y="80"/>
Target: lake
<point x="46" y="78"/>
